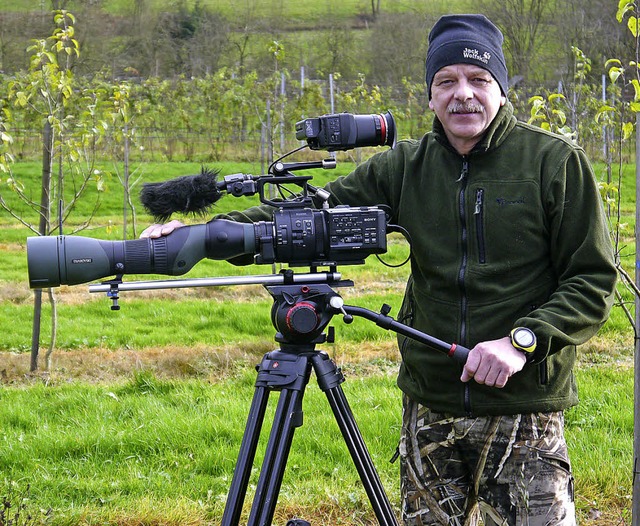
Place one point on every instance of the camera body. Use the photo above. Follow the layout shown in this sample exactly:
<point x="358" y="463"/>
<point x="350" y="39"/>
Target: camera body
<point x="306" y="237"/>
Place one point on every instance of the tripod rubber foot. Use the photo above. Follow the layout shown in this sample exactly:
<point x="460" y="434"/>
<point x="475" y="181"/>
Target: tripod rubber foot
<point x="298" y="522"/>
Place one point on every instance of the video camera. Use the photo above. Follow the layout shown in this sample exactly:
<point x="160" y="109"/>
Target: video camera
<point x="298" y="235"/>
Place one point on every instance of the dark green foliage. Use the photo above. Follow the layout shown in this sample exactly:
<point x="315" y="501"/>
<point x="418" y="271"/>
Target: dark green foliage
<point x="17" y="509"/>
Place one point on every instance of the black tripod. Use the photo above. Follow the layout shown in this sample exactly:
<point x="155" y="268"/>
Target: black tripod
<point x="300" y="314"/>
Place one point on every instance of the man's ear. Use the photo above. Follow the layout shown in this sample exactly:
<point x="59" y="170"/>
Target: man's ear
<point x="431" y="105"/>
<point x="503" y="100"/>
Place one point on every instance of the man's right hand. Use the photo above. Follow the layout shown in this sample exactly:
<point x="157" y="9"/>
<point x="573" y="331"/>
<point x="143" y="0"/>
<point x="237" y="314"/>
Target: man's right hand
<point x="159" y="230"/>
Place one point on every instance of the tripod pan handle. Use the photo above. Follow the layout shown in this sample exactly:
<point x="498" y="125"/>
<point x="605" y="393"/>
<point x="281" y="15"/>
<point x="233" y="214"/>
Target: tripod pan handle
<point x="458" y="352"/>
<point x="455" y="351"/>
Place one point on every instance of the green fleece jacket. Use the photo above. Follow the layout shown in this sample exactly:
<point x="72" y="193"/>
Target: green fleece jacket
<point x="513" y="234"/>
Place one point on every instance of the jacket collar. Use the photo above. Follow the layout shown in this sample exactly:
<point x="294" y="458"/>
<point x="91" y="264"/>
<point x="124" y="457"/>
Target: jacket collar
<point x="495" y="135"/>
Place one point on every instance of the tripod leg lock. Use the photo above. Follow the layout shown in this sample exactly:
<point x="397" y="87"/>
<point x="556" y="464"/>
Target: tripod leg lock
<point x="327" y="372"/>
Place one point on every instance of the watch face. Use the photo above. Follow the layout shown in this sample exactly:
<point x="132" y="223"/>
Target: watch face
<point x="524" y="337"/>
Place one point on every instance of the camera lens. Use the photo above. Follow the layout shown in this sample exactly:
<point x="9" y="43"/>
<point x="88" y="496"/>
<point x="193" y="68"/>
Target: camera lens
<point x="375" y="130"/>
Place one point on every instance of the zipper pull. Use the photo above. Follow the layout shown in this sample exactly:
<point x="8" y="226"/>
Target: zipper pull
<point x="465" y="170"/>
<point x="479" y="200"/>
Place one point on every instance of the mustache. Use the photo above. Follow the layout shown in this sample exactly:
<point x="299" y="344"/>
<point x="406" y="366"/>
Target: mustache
<point x="465" y="107"/>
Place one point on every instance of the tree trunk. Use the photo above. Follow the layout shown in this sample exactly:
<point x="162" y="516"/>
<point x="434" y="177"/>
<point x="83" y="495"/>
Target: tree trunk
<point x="635" y="500"/>
<point x="35" y="331"/>
<point x="43" y="230"/>
<point x="127" y="199"/>
<point x="54" y="329"/>
<point x="375" y="8"/>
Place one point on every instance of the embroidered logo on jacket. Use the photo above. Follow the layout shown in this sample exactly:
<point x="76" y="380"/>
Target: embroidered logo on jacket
<point x="506" y="202"/>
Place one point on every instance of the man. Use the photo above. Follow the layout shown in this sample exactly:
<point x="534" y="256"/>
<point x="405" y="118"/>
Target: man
<point x="510" y="257"/>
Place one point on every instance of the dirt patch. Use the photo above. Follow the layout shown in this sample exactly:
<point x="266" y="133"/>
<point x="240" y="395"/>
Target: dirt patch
<point x="101" y="365"/>
<point x="98" y="365"/>
<point x="16" y="293"/>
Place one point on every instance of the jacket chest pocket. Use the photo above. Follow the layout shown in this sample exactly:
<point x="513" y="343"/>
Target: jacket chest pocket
<point x="507" y="227"/>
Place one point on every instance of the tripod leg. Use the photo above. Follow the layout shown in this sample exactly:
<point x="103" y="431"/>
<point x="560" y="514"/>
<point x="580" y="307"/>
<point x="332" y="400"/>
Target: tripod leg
<point x="288" y="416"/>
<point x="288" y="373"/>
<point x="329" y="379"/>
<point x="242" y="471"/>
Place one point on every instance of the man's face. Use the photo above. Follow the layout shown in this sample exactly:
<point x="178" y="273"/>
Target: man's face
<point x="465" y="98"/>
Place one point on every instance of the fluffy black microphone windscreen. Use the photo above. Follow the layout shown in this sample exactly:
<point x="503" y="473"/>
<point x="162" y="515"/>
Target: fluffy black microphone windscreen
<point x="189" y="194"/>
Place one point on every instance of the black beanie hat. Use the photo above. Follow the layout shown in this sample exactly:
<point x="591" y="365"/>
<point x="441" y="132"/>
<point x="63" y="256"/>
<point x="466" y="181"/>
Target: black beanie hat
<point x="468" y="39"/>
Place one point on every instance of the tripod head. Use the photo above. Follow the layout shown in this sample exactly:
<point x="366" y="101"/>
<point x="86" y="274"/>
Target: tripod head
<point x="301" y="313"/>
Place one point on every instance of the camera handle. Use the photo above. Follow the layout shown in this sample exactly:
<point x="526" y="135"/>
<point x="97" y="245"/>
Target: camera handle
<point x="279" y="174"/>
<point x="300" y="314"/>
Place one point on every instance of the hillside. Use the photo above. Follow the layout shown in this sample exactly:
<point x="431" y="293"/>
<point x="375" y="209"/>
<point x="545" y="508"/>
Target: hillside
<point x="383" y="40"/>
<point x="299" y="13"/>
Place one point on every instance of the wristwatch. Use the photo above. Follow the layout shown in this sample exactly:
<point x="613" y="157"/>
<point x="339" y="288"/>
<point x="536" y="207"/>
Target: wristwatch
<point x="524" y="340"/>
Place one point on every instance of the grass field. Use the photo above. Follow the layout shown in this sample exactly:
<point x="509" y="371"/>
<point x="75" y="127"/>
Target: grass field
<point x="140" y="418"/>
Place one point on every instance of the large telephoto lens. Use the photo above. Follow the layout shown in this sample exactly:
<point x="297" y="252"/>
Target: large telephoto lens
<point x="71" y="260"/>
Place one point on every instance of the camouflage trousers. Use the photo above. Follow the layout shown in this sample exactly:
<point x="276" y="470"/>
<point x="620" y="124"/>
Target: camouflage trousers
<point x="495" y="470"/>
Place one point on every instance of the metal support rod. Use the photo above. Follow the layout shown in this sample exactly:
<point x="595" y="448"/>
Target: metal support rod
<point x="268" y="279"/>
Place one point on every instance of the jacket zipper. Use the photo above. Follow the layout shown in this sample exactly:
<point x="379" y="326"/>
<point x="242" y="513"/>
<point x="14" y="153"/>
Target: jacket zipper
<point x="464" y="174"/>
<point x="479" y="214"/>
<point x="543" y="368"/>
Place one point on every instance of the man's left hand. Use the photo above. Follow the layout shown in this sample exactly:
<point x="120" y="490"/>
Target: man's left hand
<point x="492" y="363"/>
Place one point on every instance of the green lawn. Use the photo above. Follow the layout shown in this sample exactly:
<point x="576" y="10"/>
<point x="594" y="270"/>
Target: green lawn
<point x="162" y="452"/>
